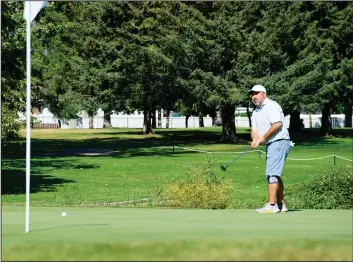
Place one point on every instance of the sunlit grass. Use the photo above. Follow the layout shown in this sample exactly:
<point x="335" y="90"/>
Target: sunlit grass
<point x="142" y="163"/>
<point x="174" y="234"/>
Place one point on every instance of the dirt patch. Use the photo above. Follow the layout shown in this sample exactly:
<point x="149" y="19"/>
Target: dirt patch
<point x="83" y="152"/>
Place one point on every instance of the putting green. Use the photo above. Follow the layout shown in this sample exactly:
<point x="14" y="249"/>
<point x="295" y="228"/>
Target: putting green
<point x="154" y="234"/>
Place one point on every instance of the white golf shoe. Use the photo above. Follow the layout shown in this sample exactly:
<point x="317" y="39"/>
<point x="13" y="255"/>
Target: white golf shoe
<point x="268" y="209"/>
<point x="282" y="207"/>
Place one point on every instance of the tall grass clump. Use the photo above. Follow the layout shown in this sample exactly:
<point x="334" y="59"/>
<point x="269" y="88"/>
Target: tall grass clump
<point x="330" y="190"/>
<point x="200" y="188"/>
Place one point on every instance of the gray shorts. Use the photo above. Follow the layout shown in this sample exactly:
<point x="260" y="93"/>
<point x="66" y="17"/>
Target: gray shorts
<point x="276" y="154"/>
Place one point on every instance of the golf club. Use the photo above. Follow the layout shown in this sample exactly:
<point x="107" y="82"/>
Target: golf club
<point x="224" y="168"/>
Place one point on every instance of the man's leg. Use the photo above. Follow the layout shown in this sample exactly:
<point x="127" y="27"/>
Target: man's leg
<point x="276" y="155"/>
<point x="275" y="158"/>
<point x="273" y="190"/>
<point x="280" y="192"/>
<point x="272" y="206"/>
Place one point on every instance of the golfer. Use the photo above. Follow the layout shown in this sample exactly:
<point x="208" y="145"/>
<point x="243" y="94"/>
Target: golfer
<point x="268" y="128"/>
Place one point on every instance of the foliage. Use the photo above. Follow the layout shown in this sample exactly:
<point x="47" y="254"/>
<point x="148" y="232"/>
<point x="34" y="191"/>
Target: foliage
<point x="194" y="57"/>
<point x="200" y="189"/>
<point x="330" y="190"/>
<point x="13" y="93"/>
<point x="10" y="124"/>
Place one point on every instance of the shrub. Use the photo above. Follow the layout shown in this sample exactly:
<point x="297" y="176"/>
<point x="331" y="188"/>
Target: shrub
<point x="331" y="190"/>
<point x="10" y="125"/>
<point x="200" y="189"/>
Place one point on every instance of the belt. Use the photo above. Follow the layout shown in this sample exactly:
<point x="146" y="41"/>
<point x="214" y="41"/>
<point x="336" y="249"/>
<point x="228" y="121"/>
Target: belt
<point x="277" y="141"/>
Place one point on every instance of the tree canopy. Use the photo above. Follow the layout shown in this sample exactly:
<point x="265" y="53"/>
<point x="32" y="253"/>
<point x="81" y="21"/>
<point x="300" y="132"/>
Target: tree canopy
<point x="191" y="57"/>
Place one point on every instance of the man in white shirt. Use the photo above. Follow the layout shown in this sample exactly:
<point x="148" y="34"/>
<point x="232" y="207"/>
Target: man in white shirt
<point x="268" y="128"/>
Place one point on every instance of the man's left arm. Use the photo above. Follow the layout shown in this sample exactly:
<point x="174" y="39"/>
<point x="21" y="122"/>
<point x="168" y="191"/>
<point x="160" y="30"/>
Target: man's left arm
<point x="273" y="129"/>
<point x="275" y="121"/>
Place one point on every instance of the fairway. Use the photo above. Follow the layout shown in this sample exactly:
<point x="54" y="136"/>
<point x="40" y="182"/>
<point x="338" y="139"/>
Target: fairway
<point x="175" y="234"/>
<point x="143" y="163"/>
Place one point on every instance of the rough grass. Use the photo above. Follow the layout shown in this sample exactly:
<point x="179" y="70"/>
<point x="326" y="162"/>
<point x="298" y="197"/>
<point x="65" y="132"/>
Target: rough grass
<point x="201" y="188"/>
<point x="330" y="190"/>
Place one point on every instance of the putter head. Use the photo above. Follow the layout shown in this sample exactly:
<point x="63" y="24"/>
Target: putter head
<point x="223" y="168"/>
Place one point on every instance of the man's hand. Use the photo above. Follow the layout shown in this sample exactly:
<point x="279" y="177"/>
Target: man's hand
<point x="254" y="143"/>
<point x="262" y="140"/>
<point x="258" y="141"/>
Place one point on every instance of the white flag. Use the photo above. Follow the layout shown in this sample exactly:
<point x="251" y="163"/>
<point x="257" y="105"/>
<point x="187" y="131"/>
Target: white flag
<point x="32" y="8"/>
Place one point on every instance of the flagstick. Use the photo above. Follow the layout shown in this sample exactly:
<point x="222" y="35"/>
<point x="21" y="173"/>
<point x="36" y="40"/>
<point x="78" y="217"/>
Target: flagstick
<point x="0" y="155"/>
<point x="28" y="126"/>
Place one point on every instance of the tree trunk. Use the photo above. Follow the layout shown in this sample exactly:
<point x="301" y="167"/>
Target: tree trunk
<point x="168" y="118"/>
<point x="201" y="123"/>
<point x="147" y="122"/>
<point x="348" y="112"/>
<point x="218" y="117"/>
<point x="248" y="113"/>
<point x="90" y="119"/>
<point x="295" y="123"/>
<point x="326" y="121"/>
<point x="228" y="123"/>
<point x="107" y="123"/>
<point x="310" y="121"/>
<point x="159" y="118"/>
<point x="154" y="121"/>
<point x="187" y="120"/>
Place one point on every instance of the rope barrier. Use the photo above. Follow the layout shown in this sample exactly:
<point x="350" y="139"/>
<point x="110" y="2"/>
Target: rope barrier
<point x="260" y="151"/>
<point x="344" y="158"/>
<point x="212" y="152"/>
<point x="310" y="158"/>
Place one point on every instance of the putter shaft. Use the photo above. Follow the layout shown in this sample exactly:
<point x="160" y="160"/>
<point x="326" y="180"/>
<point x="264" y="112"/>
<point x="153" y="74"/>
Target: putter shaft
<point x="225" y="167"/>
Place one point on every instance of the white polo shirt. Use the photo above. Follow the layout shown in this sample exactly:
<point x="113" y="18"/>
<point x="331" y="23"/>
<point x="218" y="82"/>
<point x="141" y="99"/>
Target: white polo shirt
<point x="262" y="118"/>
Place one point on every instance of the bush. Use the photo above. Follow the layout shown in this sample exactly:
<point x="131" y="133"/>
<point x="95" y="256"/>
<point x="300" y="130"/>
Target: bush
<point x="200" y="189"/>
<point x="10" y="125"/>
<point x="332" y="190"/>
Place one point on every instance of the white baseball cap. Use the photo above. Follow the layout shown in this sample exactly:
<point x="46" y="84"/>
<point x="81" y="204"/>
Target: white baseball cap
<point x="257" y="88"/>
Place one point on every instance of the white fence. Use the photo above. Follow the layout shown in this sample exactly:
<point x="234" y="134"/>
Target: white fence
<point x="132" y="121"/>
<point x="136" y="121"/>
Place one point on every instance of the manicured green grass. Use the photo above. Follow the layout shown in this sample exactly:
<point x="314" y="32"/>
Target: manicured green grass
<point x="139" y="166"/>
<point x="167" y="234"/>
<point x="143" y="163"/>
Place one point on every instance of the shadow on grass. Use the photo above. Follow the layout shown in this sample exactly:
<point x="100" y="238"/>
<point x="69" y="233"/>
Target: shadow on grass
<point x="13" y="175"/>
<point x="14" y="182"/>
<point x="70" y="226"/>
<point x="141" y="145"/>
<point x="294" y="210"/>
<point x="310" y="137"/>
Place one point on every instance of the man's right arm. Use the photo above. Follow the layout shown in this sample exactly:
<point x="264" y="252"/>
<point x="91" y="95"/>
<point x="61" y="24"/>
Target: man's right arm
<point x="254" y="133"/>
<point x="254" y="137"/>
